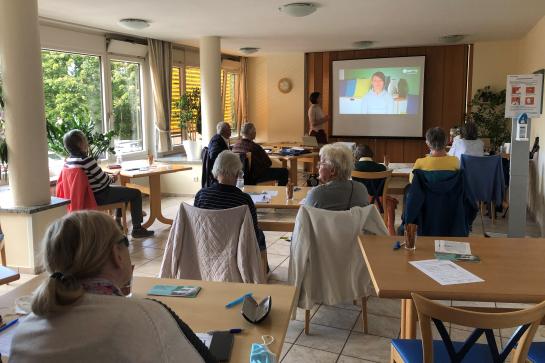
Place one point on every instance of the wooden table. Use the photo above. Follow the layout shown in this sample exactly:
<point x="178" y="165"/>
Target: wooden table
<point x="207" y="311"/>
<point x="312" y="157"/>
<point x="153" y="173"/>
<point x="512" y="269"/>
<point x="400" y="177"/>
<point x="280" y="201"/>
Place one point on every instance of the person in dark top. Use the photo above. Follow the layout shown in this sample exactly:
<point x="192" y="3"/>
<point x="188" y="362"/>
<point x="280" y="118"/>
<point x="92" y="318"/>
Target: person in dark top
<point x="75" y="142"/>
<point x="224" y="194"/>
<point x="261" y="163"/>
<point x="365" y="162"/>
<point x="219" y="141"/>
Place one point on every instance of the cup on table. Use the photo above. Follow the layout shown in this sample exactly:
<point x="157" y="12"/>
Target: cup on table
<point x="150" y="159"/>
<point x="289" y="190"/>
<point x="410" y="236"/>
<point x="386" y="160"/>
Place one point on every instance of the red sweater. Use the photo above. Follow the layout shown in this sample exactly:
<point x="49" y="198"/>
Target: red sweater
<point x="74" y="185"/>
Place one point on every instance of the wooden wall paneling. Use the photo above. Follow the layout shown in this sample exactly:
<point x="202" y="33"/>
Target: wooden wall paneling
<point x="394" y="150"/>
<point x="469" y="96"/>
<point x="397" y="52"/>
<point x="310" y="85"/>
<point x="345" y="55"/>
<point x="412" y="150"/>
<point x="371" y="53"/>
<point x="454" y="86"/>
<point x="326" y="89"/>
<point x="318" y="73"/>
<point x="433" y="88"/>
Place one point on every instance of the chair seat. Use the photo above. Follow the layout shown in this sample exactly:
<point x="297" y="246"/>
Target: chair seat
<point x="411" y="351"/>
<point x="536" y="354"/>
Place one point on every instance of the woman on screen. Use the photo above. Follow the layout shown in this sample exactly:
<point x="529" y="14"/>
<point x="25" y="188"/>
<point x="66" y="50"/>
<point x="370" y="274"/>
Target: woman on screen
<point x="377" y="100"/>
<point x="316" y="118"/>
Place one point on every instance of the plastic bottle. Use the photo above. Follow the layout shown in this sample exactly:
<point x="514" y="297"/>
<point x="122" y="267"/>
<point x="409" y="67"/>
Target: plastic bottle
<point x="240" y="180"/>
<point x="119" y="158"/>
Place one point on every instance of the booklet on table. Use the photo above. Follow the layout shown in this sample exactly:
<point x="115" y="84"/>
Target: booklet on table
<point x="175" y="290"/>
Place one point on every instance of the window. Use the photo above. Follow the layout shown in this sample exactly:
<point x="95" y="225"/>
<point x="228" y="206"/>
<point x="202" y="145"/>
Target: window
<point x="175" y="130"/>
<point x="228" y="97"/>
<point x="73" y="88"/>
<point x="127" y="105"/>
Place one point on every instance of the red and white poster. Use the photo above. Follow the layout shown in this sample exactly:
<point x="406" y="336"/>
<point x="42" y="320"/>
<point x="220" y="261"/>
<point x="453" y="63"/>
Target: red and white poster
<point x="523" y="95"/>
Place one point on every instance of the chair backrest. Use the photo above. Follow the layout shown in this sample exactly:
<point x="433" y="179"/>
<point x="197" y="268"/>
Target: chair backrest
<point x="214" y="245"/>
<point x="73" y="184"/>
<point x="207" y="178"/>
<point x="246" y="159"/>
<point x="484" y="175"/>
<point x="526" y="320"/>
<point x="376" y="184"/>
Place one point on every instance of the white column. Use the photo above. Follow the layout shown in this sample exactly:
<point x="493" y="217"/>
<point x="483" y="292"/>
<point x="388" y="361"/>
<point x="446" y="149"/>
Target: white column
<point x="21" y="63"/>
<point x="210" y="63"/>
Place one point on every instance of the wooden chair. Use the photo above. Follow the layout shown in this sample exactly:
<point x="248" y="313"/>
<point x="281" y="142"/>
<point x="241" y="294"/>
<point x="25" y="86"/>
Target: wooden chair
<point x="247" y="166"/>
<point x="444" y="350"/>
<point x="110" y="209"/>
<point x="377" y="186"/>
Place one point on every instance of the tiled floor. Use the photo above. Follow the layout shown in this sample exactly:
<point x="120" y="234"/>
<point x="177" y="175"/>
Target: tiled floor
<point x="336" y="331"/>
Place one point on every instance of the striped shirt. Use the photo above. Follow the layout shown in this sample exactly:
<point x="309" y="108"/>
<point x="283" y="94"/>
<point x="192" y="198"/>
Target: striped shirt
<point x="223" y="196"/>
<point x="98" y="179"/>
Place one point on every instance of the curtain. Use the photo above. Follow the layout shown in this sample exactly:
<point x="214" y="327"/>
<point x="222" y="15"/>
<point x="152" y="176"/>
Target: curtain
<point x="160" y="60"/>
<point x="241" y="95"/>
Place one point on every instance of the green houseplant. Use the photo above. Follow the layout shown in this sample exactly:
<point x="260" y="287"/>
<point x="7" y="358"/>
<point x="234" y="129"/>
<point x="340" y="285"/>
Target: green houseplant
<point x="3" y="143"/>
<point x="487" y="111"/>
<point x="190" y="122"/>
<point x="99" y="143"/>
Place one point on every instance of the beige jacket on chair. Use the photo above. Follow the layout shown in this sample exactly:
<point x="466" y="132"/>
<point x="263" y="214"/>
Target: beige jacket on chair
<point x="326" y="264"/>
<point x="213" y="245"/>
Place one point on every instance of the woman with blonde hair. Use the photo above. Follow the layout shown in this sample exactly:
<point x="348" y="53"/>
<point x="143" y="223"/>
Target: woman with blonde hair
<point x="80" y="314"/>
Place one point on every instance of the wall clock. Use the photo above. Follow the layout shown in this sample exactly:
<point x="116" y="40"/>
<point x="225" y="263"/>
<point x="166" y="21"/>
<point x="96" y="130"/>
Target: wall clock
<point x="284" y="85"/>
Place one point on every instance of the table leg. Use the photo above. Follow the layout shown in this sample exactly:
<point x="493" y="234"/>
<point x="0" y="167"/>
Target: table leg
<point x="315" y="164"/>
<point x="293" y="171"/>
<point x="155" y="202"/>
<point x="403" y="319"/>
<point x="410" y="319"/>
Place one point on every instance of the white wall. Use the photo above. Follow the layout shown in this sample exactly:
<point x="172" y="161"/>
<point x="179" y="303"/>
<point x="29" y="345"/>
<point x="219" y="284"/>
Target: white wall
<point x="278" y="116"/>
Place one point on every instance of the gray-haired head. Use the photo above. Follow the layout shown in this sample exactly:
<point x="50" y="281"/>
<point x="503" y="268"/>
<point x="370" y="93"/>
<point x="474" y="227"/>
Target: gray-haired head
<point x="73" y="141"/>
<point x="340" y="158"/>
<point x="248" y="131"/>
<point x="436" y="138"/>
<point x="223" y="129"/>
<point x="227" y="164"/>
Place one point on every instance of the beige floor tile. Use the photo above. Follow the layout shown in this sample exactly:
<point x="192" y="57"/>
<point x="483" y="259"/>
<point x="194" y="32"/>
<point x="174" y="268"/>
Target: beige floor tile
<point x="461" y="335"/>
<point x="152" y="267"/>
<point x="275" y="260"/>
<point x="299" y="354"/>
<point x="335" y="317"/>
<point x="324" y="338"/>
<point x="383" y="326"/>
<point x="280" y="273"/>
<point x="147" y="253"/>
<point x="300" y="313"/>
<point x="385" y="307"/>
<point x="285" y="348"/>
<point x="480" y="304"/>
<point x="280" y="247"/>
<point x="349" y="305"/>
<point x="295" y="327"/>
<point x="347" y="359"/>
<point x="368" y="347"/>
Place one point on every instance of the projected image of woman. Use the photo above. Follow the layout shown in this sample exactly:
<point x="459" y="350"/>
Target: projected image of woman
<point x="377" y="100"/>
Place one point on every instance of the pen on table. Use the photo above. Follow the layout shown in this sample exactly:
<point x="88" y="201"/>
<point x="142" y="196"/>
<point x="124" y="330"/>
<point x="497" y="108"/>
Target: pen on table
<point x="11" y="323"/>
<point x="232" y="331"/>
<point x="237" y="301"/>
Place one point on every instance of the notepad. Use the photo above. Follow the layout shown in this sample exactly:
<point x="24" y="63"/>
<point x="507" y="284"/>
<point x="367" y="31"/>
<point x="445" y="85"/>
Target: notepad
<point x="261" y="198"/>
<point x="446" y="272"/>
<point x="174" y="290"/>
<point x="460" y="248"/>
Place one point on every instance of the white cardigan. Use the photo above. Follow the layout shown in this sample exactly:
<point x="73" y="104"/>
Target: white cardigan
<point x="326" y="263"/>
<point x="213" y="245"/>
<point x="101" y="328"/>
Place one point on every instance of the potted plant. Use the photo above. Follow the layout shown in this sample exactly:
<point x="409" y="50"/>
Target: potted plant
<point x="3" y="143"/>
<point x="190" y="123"/>
<point x="488" y="113"/>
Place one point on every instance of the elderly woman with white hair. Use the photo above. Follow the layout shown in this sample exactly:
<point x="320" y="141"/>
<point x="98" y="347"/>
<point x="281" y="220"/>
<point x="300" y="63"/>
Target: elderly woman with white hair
<point x="80" y="313"/>
<point x="224" y="194"/>
<point x="337" y="191"/>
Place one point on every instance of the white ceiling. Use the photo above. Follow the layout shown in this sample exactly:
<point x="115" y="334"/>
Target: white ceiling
<point x="336" y="25"/>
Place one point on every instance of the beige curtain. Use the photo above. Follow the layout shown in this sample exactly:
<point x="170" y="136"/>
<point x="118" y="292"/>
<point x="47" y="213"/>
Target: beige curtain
<point x="160" y="60"/>
<point x="241" y="95"/>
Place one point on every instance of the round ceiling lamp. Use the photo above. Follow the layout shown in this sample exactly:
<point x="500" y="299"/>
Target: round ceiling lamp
<point x="363" y="44"/>
<point x="298" y="9"/>
<point x="134" y="24"/>
<point x="452" y="38"/>
<point x="248" y="50"/>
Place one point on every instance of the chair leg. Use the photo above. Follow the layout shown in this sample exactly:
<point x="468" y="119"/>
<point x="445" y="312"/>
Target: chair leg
<point x="3" y="255"/>
<point x="482" y="221"/>
<point x="493" y="212"/>
<point x="307" y="322"/>
<point x="124" y="219"/>
<point x="364" y="314"/>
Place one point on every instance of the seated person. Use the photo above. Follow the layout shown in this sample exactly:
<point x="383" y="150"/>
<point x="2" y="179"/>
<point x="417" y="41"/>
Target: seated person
<point x="79" y="313"/>
<point x="219" y="141"/>
<point x="438" y="159"/>
<point x="365" y="162"/>
<point x="469" y="142"/>
<point x="337" y="192"/>
<point x="77" y="146"/>
<point x="224" y="194"/>
<point x="261" y="163"/>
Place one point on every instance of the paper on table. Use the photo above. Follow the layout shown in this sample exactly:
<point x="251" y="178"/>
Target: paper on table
<point x="5" y="340"/>
<point x="260" y="198"/>
<point x="205" y="338"/>
<point x="460" y="248"/>
<point x="302" y="201"/>
<point x="446" y="272"/>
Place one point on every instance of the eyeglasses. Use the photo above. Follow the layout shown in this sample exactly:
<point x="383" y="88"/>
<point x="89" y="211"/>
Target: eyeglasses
<point x="323" y="163"/>
<point x="124" y="240"/>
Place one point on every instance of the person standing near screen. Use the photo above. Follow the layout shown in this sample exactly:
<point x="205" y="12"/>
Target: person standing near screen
<point x="377" y="100"/>
<point x="317" y="119"/>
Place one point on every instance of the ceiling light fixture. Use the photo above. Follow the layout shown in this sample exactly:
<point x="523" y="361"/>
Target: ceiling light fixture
<point x="298" y="9"/>
<point x="452" y="38"/>
<point x="248" y="50"/>
<point x="134" y="24"/>
<point x="362" y="44"/>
